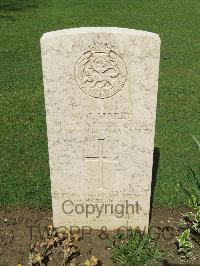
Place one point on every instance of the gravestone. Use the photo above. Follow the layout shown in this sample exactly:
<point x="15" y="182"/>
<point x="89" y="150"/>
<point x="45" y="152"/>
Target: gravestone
<point x="100" y="88"/>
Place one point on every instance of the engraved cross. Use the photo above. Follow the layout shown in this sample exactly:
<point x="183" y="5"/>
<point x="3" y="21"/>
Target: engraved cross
<point x="100" y="159"/>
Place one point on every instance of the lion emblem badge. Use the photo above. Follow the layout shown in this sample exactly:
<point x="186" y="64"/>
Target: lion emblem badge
<point x="100" y="72"/>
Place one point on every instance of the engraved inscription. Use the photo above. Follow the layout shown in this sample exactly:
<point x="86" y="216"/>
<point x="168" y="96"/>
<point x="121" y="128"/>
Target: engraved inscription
<point x="100" y="72"/>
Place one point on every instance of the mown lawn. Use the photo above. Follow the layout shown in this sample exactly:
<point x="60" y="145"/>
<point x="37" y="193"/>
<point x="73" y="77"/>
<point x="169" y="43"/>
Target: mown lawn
<point x="24" y="171"/>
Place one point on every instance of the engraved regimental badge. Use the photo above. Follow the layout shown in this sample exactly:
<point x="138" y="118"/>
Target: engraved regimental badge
<point x="100" y="72"/>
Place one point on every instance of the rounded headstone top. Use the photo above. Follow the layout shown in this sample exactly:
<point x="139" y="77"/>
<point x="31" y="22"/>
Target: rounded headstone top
<point x="110" y="30"/>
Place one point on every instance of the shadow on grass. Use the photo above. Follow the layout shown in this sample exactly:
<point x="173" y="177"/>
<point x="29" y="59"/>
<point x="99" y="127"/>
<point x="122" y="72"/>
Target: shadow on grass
<point x="7" y="17"/>
<point x="15" y="6"/>
<point x="156" y="159"/>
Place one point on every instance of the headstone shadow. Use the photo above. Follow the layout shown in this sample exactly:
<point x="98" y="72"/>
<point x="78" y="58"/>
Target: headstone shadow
<point x="156" y="159"/>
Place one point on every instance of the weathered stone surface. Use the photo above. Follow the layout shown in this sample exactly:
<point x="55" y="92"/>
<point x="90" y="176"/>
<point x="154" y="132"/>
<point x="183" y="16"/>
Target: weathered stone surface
<point x="100" y="94"/>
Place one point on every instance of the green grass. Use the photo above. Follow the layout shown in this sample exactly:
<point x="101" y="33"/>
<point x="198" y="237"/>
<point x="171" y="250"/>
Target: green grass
<point x="24" y="171"/>
<point x="135" y="248"/>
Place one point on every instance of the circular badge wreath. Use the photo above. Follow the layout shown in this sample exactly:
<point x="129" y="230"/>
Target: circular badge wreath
<point x="100" y="72"/>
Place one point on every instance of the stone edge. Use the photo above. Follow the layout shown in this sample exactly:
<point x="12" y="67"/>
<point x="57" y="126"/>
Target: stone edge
<point x="114" y="30"/>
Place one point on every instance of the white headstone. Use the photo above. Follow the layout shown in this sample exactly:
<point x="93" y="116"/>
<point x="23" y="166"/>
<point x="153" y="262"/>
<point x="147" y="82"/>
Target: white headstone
<point x="100" y="94"/>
